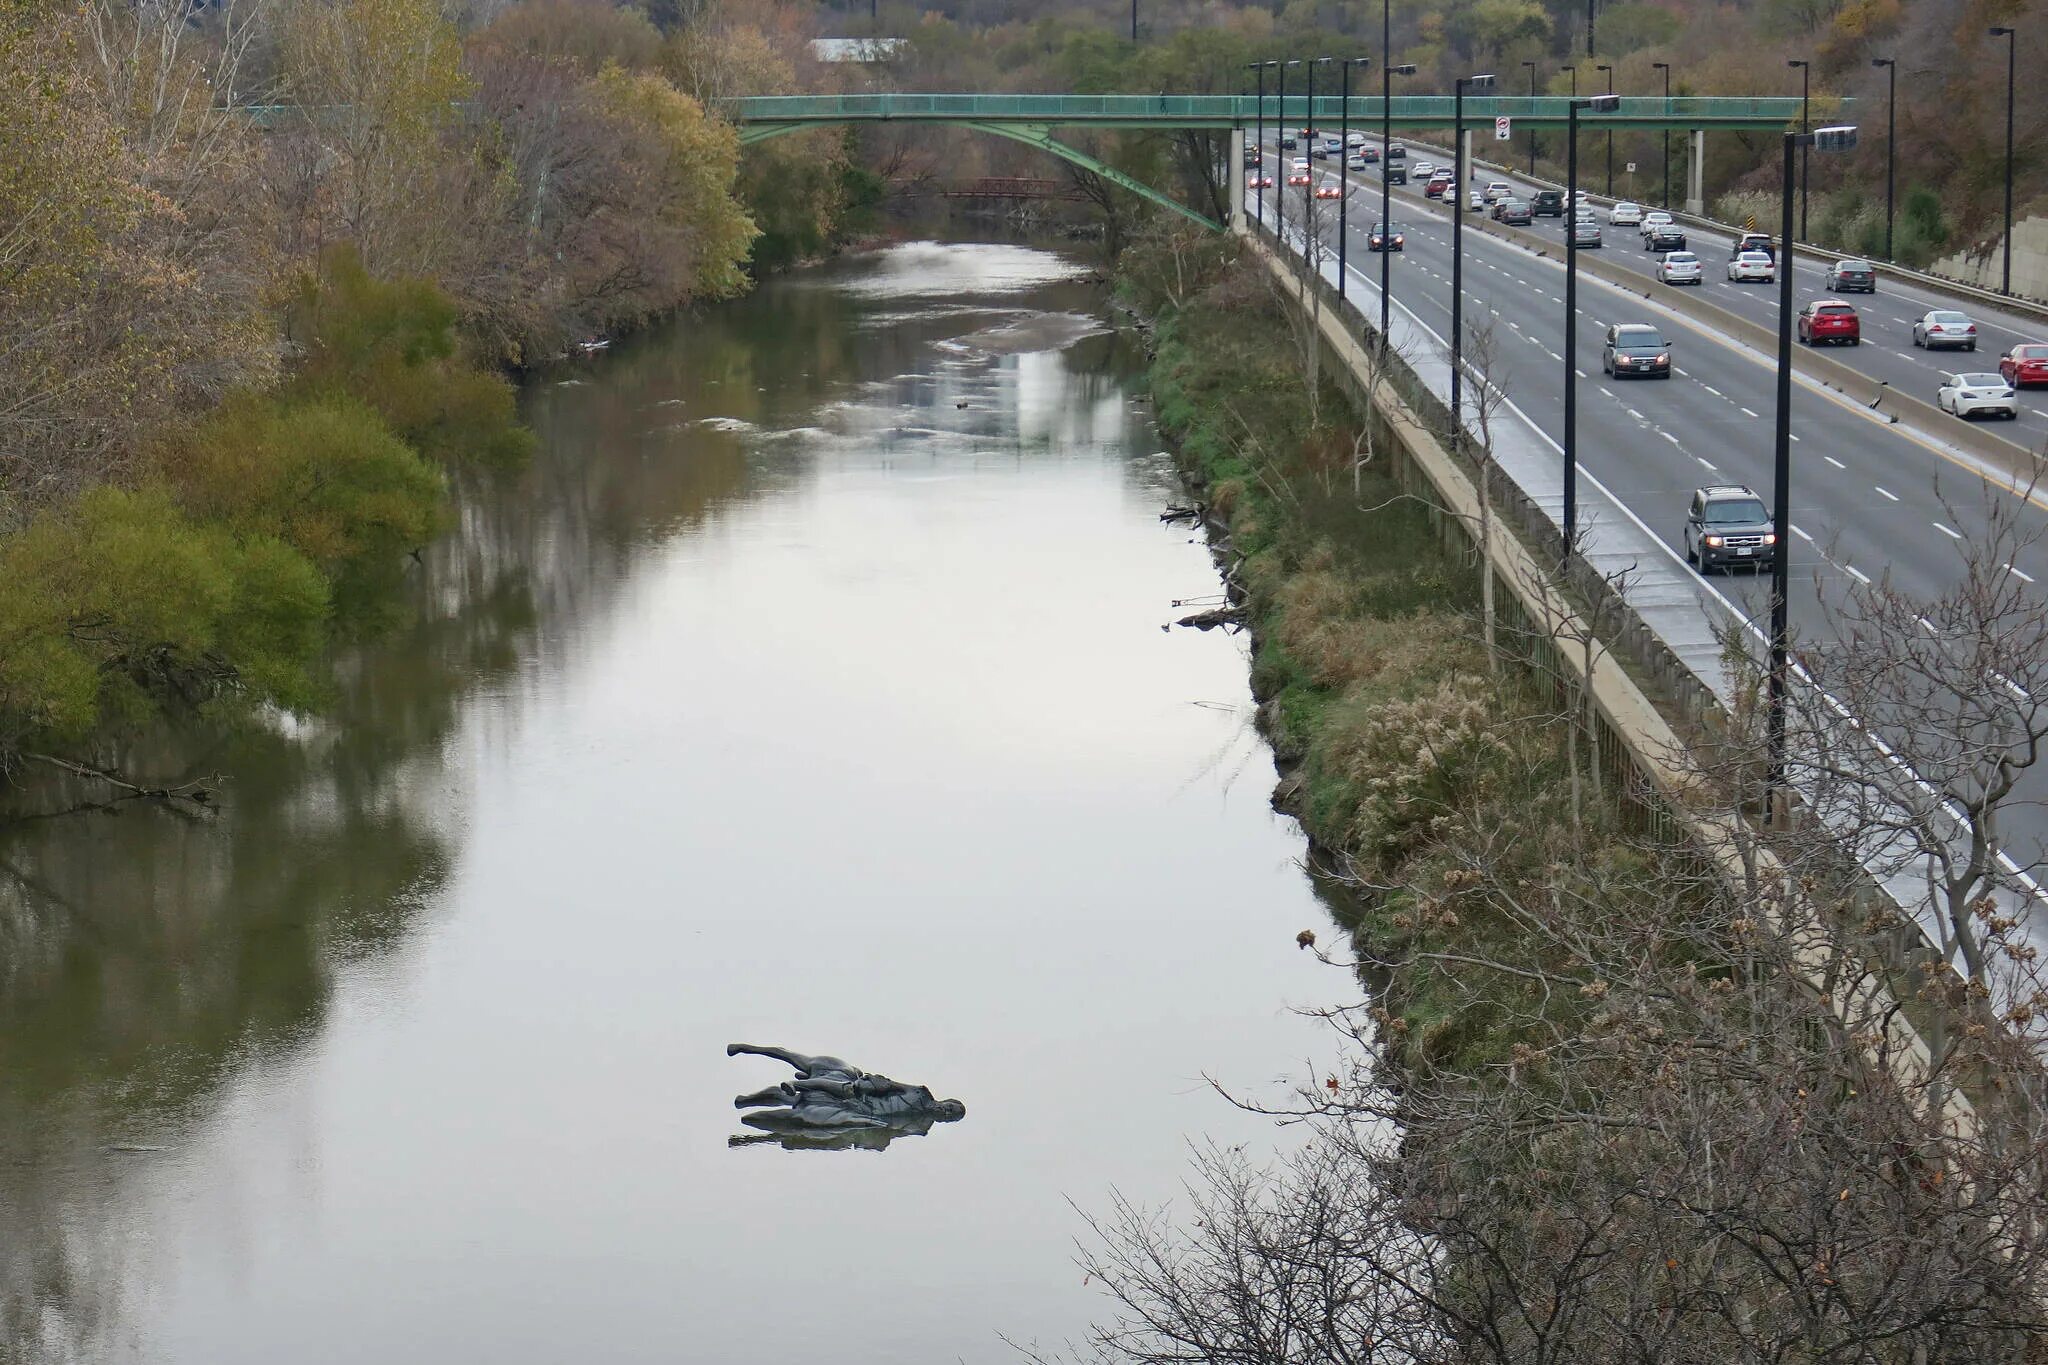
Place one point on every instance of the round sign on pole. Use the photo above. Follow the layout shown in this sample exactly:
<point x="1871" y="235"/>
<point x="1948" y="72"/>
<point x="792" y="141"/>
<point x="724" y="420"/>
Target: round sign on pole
<point x="1501" y="130"/>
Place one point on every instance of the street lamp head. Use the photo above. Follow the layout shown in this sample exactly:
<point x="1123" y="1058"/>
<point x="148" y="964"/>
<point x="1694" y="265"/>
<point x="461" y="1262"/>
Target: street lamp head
<point x="1530" y="64"/>
<point x="1600" y="104"/>
<point x="1602" y="66"/>
<point x="1324" y="61"/>
<point x="1883" y="62"/>
<point x="1478" y="82"/>
<point x="1841" y="138"/>
<point x="1404" y="69"/>
<point x="2001" y="31"/>
<point x="1358" y="61"/>
<point x="1293" y="61"/>
<point x="1796" y="62"/>
<point x="1660" y="66"/>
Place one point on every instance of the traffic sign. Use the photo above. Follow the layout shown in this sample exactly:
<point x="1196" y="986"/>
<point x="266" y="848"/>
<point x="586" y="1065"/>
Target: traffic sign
<point x="1631" y="168"/>
<point x="1501" y="129"/>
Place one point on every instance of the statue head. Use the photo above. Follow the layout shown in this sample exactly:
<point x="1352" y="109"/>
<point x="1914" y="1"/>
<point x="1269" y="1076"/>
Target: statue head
<point x="950" y="1111"/>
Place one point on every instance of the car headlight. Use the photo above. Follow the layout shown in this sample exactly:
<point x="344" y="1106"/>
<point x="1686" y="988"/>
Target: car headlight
<point x="1714" y="542"/>
<point x="1664" y="359"/>
<point x="1770" y="537"/>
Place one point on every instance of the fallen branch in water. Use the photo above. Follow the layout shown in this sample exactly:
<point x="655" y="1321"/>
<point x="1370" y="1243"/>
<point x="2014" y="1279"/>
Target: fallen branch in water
<point x="198" y="791"/>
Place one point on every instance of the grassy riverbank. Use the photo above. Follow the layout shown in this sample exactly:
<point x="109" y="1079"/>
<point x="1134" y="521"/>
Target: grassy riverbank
<point x="1401" y="742"/>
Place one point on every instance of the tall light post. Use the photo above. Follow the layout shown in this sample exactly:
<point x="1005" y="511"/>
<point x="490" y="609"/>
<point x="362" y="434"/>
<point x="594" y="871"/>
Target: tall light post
<point x="1599" y="104"/>
<point x="1665" y="67"/>
<point x="1891" y="144"/>
<point x="1805" y="159"/>
<point x="1311" y="221"/>
<point x="1458" y="88"/>
<point x="1280" y="177"/>
<point x="1841" y="139"/>
<point x="1609" y="72"/>
<point x="1388" y="70"/>
<point x="1259" y="142"/>
<point x="1344" y="178"/>
<point x="1532" y="119"/>
<point x="1573" y="72"/>
<point x="2011" y="47"/>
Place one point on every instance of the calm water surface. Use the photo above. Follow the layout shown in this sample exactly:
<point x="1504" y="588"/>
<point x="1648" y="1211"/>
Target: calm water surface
<point x="809" y="689"/>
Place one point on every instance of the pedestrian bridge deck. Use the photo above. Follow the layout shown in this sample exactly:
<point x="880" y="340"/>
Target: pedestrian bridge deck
<point x="763" y="116"/>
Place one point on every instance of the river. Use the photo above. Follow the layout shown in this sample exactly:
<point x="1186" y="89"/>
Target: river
<point x="809" y="688"/>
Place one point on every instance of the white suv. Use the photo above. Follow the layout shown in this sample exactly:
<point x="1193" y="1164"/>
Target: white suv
<point x="1625" y="214"/>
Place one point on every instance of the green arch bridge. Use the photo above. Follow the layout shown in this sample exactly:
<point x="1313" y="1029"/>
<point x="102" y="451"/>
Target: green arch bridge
<point x="1031" y="119"/>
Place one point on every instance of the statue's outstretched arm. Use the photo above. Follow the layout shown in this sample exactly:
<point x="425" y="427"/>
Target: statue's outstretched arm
<point x="780" y="1054"/>
<point x="838" y="1090"/>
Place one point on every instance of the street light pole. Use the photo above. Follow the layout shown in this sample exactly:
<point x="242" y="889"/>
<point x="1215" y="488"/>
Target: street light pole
<point x="1827" y="140"/>
<point x="1610" y="136"/>
<point x="2011" y="47"/>
<point x="1532" y="119"/>
<point x="1665" y="67"/>
<point x="1280" y="172"/>
<point x="1259" y="143"/>
<point x="1600" y="104"/>
<point x="1891" y="144"/>
<point x="1805" y="158"/>
<point x="1344" y="178"/>
<point x="1311" y="221"/>
<point x="1458" y="244"/>
<point x="1387" y="73"/>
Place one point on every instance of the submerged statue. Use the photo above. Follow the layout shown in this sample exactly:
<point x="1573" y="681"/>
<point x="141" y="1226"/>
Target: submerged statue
<point x="832" y="1104"/>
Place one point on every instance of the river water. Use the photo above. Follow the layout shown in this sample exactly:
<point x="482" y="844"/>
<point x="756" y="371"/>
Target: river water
<point x="809" y="688"/>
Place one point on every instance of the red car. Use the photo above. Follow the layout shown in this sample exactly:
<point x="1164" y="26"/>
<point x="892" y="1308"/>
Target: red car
<point x="2024" y="365"/>
<point x="1298" y="178"/>
<point x="1827" y="320"/>
<point x="1435" y="188"/>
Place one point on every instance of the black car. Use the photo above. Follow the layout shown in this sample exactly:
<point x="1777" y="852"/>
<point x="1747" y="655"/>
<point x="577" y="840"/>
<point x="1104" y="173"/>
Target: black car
<point x="1753" y="241"/>
<point x="1251" y="157"/>
<point x="1396" y="152"/>
<point x="1727" y="525"/>
<point x="1664" y="237"/>
<point x="1387" y="237"/>
<point x="1549" y="204"/>
<point x="1286" y="142"/>
<point x="1638" y="349"/>
<point x="1516" y="212"/>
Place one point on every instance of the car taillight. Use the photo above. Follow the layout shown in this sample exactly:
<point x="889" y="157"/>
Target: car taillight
<point x="1971" y="328"/>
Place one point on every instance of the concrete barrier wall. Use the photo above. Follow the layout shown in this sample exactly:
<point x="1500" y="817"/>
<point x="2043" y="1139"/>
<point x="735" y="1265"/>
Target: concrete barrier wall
<point x="1985" y="270"/>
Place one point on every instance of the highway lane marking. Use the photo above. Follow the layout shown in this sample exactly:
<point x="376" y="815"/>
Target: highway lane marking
<point x="1858" y="574"/>
<point x="1835" y="462"/>
<point x="1637" y="415"/>
<point x="1952" y="535"/>
<point x="1886" y="491"/>
<point x="1802" y="534"/>
<point x="1748" y="412"/>
<point x="2021" y="574"/>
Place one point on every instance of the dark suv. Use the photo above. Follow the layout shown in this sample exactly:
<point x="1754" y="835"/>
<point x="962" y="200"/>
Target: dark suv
<point x="1727" y="525"/>
<point x="1636" y="348"/>
<point x="1397" y="173"/>
<point x="1549" y="204"/>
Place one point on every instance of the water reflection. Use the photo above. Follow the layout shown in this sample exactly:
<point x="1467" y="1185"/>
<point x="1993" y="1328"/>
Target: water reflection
<point x="809" y="682"/>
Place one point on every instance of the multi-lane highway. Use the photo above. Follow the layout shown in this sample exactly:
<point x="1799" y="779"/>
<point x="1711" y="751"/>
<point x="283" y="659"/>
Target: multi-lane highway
<point x="1869" y="499"/>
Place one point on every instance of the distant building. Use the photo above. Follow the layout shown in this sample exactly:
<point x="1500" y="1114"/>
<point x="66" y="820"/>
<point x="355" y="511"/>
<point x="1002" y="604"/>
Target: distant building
<point x="856" y="49"/>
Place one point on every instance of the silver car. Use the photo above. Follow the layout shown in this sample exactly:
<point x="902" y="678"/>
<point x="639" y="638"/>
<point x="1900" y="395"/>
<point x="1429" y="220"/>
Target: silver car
<point x="1977" y="395"/>
<point x="1625" y="214"/>
<point x="1679" y="267"/>
<point x="1945" y="327"/>
<point x="1586" y="234"/>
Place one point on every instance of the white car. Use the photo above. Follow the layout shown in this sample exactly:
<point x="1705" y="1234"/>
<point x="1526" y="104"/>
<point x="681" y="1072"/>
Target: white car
<point x="1477" y="203"/>
<point x="1752" y="265"/>
<point x="1354" y="139"/>
<point x="1679" y="267"/>
<point x="1422" y="170"/>
<point x="1625" y="214"/>
<point x="1944" y="327"/>
<point x="1653" y="220"/>
<point x="1499" y="189"/>
<point x="1977" y="395"/>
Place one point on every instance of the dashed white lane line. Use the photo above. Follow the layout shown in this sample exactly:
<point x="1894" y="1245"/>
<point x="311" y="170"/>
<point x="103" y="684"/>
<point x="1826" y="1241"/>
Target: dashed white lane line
<point x="1927" y="625"/>
<point x="1835" y="462"/>
<point x="1637" y="415"/>
<point x="1802" y="535"/>
<point x="1582" y="374"/>
<point x="1952" y="535"/>
<point x="1856" y="573"/>
<point x="1886" y="491"/>
<point x="1794" y="435"/>
<point x="2021" y="574"/>
<point x="1747" y="412"/>
<point x="1714" y="391"/>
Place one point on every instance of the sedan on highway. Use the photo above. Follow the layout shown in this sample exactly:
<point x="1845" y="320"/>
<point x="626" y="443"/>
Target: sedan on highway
<point x="2024" y="365"/>
<point x="1625" y="214"/>
<point x="1663" y="237"/>
<point x="1497" y="190"/>
<point x="1586" y="234"/>
<point x="1654" y="219"/>
<point x="1369" y="154"/>
<point x="1476" y="201"/>
<point x="1329" y="191"/>
<point x="1826" y="320"/>
<point x="1680" y="267"/>
<point x="1426" y="170"/>
<point x="1437" y="187"/>
<point x="1387" y="237"/>
<point x="1636" y="348"/>
<point x="1752" y="265"/>
<point x="1945" y="327"/>
<point x="1852" y="277"/>
<point x="1355" y="162"/>
<point x="1977" y="395"/>
<point x="1258" y="182"/>
<point x="1516" y="213"/>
